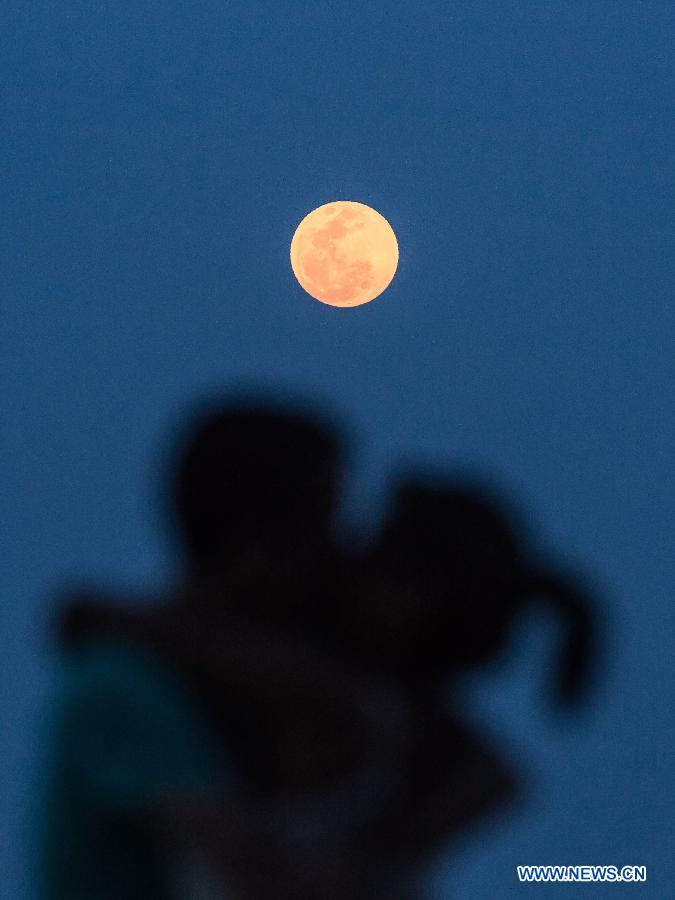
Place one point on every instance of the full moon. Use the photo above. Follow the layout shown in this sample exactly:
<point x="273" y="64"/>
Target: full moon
<point x="344" y="253"/>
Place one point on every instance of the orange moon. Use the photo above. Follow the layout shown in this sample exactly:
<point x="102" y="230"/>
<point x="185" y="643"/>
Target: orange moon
<point x="344" y="253"/>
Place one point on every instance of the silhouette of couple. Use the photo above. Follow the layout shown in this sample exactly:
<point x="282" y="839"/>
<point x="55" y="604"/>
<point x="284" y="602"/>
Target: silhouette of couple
<point x="281" y="724"/>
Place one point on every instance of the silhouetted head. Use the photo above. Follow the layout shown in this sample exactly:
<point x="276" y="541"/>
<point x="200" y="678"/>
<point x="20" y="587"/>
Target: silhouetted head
<point x="251" y="473"/>
<point x="451" y="573"/>
<point x="458" y="551"/>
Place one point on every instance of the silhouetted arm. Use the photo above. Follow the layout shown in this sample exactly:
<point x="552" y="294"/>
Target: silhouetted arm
<point x="454" y="780"/>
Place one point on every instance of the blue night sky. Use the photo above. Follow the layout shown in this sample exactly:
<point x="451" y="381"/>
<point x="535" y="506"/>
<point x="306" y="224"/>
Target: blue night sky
<point x="156" y="159"/>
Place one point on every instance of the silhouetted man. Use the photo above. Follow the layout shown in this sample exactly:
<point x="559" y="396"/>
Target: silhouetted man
<point x="163" y="712"/>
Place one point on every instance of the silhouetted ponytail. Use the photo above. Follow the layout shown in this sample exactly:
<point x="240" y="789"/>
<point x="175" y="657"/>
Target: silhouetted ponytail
<point x="570" y="605"/>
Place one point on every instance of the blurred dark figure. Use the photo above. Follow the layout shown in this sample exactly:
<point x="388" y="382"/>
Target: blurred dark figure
<point x="164" y="710"/>
<point x="440" y="594"/>
<point x="279" y="726"/>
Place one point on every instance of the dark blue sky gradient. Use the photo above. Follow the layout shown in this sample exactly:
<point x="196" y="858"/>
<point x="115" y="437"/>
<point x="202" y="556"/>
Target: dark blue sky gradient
<point x="156" y="158"/>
